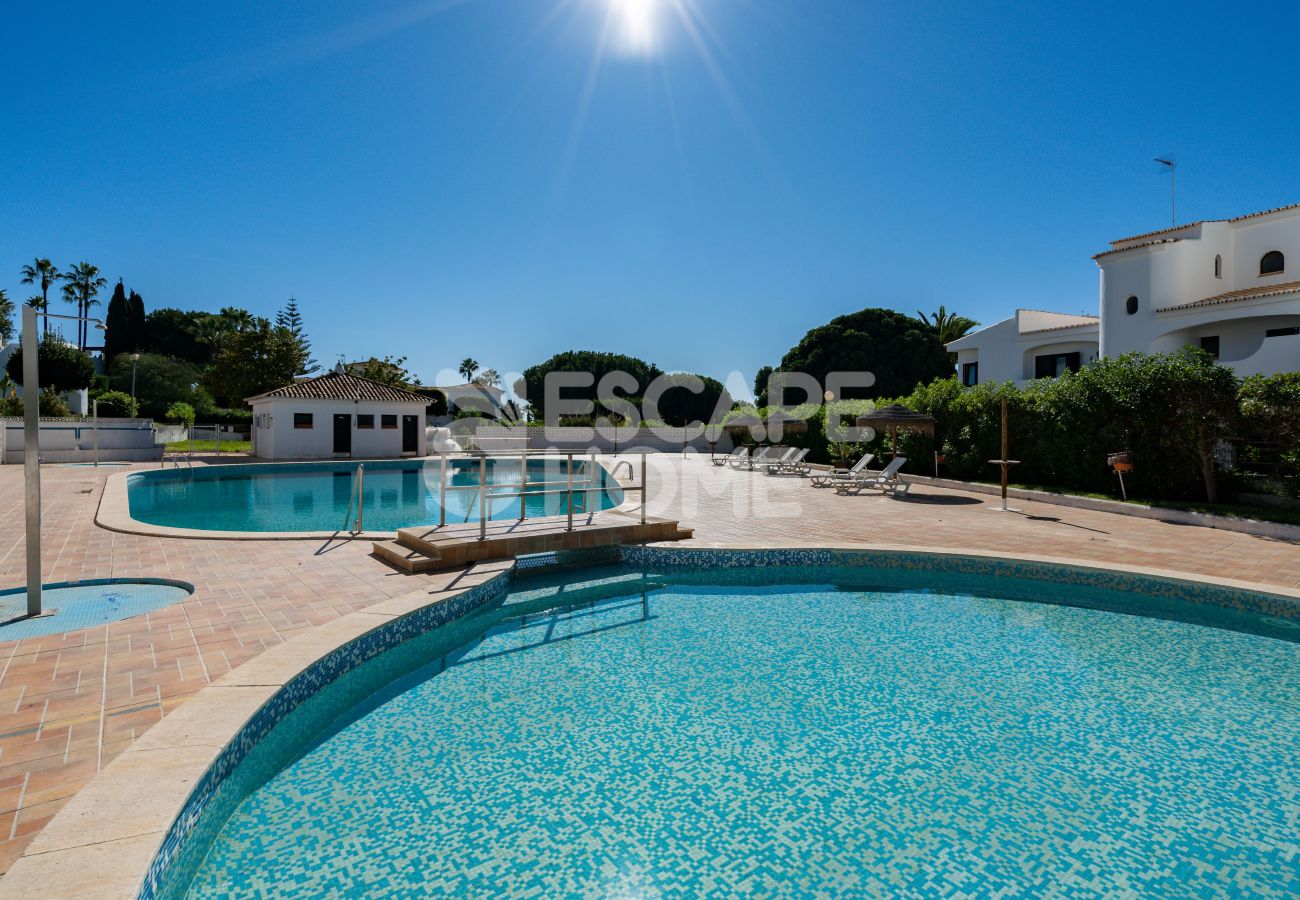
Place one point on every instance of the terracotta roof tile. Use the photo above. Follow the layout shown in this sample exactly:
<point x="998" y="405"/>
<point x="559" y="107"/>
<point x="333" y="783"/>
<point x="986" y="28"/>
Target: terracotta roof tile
<point x="1264" y="290"/>
<point x="1136" y="246"/>
<point x="1254" y="215"/>
<point x="342" y="386"/>
<point x="1265" y="212"/>
<point x="1092" y="323"/>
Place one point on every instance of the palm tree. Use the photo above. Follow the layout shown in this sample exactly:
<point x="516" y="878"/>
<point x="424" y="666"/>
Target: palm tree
<point x="83" y="282"/>
<point x="42" y="272"/>
<point x="468" y="366"/>
<point x="488" y="378"/>
<point x="947" y="326"/>
<point x="6" y="319"/>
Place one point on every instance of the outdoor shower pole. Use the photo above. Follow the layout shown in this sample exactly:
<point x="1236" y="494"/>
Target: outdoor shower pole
<point x="32" y="458"/>
<point x="94" y="428"/>
<point x="645" y="487"/>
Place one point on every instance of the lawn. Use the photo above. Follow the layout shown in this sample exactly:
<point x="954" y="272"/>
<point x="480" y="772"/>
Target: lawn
<point x="231" y="446"/>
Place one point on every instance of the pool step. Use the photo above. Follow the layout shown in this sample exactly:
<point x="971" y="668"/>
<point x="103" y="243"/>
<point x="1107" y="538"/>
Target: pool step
<point x="430" y="549"/>
<point x="409" y="561"/>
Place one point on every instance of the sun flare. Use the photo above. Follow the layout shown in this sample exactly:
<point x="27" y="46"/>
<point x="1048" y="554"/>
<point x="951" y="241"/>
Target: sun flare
<point x="636" y="25"/>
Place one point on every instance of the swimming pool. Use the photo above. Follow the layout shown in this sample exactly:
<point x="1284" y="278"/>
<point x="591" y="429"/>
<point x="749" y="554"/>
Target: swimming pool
<point x="315" y="497"/>
<point x="844" y="729"/>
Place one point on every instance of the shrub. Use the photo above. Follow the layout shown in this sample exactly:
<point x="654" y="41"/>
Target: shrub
<point x="180" y="412"/>
<point x="115" y="404"/>
<point x="1169" y="410"/>
<point x="61" y="366"/>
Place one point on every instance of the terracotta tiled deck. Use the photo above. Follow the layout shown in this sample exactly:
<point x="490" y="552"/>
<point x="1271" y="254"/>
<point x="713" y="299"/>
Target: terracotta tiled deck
<point x="69" y="704"/>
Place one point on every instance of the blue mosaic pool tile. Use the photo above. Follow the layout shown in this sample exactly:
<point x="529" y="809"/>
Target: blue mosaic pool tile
<point x="227" y="783"/>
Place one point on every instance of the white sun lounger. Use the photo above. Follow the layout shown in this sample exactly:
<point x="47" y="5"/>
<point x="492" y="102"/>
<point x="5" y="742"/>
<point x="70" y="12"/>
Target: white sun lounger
<point x="886" y="480"/>
<point x="826" y="479"/>
<point x="747" y="460"/>
<point x="790" y="465"/>
<point x="776" y="457"/>
<point x="735" y="454"/>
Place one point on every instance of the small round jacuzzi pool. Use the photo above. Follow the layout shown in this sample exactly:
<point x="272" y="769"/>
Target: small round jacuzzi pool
<point x="682" y="724"/>
<point x="71" y="605"/>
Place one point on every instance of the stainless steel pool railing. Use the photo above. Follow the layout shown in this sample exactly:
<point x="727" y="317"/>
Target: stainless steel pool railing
<point x="357" y="496"/>
<point x="589" y="486"/>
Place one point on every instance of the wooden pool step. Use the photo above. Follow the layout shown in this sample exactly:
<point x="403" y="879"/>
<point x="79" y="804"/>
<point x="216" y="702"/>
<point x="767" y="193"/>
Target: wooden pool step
<point x="419" y="550"/>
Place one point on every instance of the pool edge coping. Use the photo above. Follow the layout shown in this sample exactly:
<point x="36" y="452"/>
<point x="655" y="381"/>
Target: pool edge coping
<point x="112" y="830"/>
<point x="105" y="840"/>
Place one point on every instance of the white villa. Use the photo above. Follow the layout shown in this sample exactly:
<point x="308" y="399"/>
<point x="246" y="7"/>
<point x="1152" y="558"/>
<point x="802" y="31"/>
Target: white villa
<point x="1031" y="344"/>
<point x="337" y="415"/>
<point x="473" y="397"/>
<point x="1222" y="285"/>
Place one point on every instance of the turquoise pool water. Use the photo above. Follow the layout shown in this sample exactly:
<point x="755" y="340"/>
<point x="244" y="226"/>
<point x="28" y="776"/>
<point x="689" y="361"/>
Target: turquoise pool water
<point x="315" y="496"/>
<point x="788" y="732"/>
<point x="86" y="604"/>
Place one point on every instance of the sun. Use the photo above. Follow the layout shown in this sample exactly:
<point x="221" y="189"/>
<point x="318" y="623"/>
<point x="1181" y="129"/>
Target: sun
<point x="636" y="25"/>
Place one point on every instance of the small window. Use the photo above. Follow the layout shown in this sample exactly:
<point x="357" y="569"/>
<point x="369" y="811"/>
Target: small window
<point x="302" y="420"/>
<point x="970" y="374"/>
<point x="365" y="421"/>
<point x="1131" y="305"/>
<point x="1218" y="267"/>
<point x="1055" y="364"/>
<point x="389" y="421"/>
<point x="1282" y="332"/>
<point x="1210" y="344"/>
<point x="1272" y="262"/>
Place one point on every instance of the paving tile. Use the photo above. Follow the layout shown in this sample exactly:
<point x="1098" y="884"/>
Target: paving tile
<point x="72" y="703"/>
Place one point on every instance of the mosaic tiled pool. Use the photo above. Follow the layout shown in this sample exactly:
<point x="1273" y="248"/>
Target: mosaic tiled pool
<point x="623" y="731"/>
<point x="317" y="497"/>
<point x="86" y="604"/>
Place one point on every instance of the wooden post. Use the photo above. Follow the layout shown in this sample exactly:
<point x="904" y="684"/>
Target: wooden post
<point x="1005" y="457"/>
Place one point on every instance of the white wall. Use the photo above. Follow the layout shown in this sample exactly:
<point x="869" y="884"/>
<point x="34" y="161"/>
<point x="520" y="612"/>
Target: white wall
<point x="1168" y="275"/>
<point x="1005" y="354"/>
<point x="275" y="437"/>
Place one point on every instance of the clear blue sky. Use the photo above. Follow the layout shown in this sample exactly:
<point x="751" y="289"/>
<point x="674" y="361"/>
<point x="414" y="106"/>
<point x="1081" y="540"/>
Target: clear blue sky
<point x="477" y="178"/>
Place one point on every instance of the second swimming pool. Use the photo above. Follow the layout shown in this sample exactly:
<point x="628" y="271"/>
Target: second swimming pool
<point x="315" y="497"/>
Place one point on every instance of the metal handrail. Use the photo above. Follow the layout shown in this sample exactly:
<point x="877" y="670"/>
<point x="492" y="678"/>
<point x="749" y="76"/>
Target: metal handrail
<point x="357" y="494"/>
<point x="490" y="493"/>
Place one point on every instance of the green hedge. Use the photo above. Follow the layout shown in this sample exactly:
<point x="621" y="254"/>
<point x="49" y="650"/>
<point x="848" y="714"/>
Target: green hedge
<point x="1170" y="411"/>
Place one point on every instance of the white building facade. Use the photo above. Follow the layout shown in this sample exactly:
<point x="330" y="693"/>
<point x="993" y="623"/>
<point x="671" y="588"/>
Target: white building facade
<point x="338" y="416"/>
<point x="1229" y="286"/>
<point x="1031" y="344"/>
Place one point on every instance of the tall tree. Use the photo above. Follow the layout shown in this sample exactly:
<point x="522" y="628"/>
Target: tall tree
<point x="117" y="339"/>
<point x="290" y="319"/>
<point x="82" y="283"/>
<point x="44" y="273"/>
<point x="6" y="319"/>
<point x="488" y="378"/>
<point x="468" y="366"/>
<point x="898" y="350"/>
<point x="947" y="326"/>
<point x="254" y="361"/>
<point x="135" y="327"/>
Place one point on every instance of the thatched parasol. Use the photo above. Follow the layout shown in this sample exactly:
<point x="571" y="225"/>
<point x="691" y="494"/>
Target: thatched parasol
<point x="738" y="425"/>
<point x="894" y="418"/>
<point x="787" y="423"/>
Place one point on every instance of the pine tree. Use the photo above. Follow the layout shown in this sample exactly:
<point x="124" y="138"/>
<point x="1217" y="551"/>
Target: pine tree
<point x="290" y="319"/>
<point x="134" y="322"/>
<point x="118" y="323"/>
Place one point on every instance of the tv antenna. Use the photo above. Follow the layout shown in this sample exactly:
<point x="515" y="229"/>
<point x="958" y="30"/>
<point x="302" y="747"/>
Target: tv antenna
<point x="1168" y="162"/>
